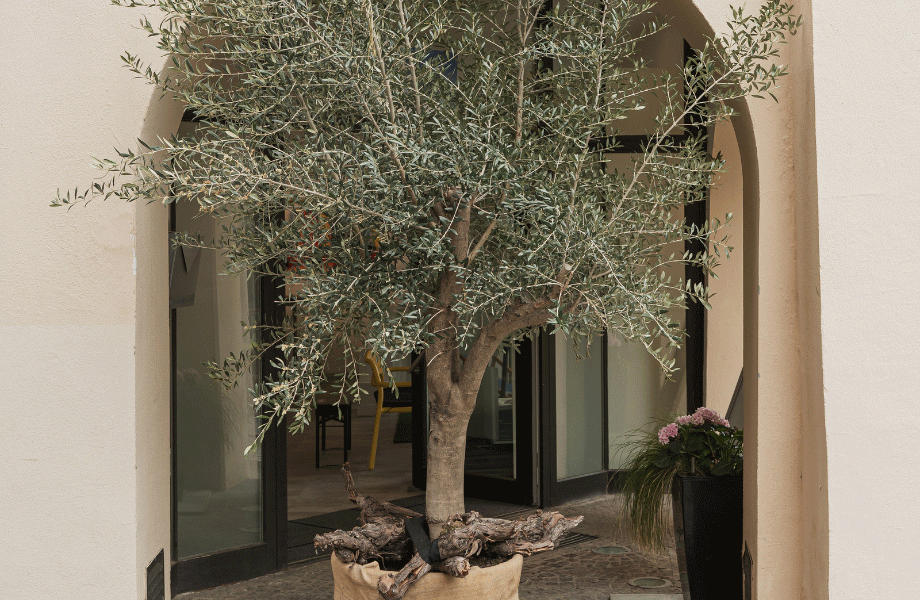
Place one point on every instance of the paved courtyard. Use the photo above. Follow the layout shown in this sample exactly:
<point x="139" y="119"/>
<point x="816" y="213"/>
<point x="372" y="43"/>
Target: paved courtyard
<point x="573" y="572"/>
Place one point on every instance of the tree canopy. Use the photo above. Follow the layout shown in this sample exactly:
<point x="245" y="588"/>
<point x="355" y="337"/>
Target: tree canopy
<point x="433" y="173"/>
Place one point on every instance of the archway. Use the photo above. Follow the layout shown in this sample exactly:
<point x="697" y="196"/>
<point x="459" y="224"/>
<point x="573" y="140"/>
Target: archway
<point x="777" y="502"/>
<point x="785" y="449"/>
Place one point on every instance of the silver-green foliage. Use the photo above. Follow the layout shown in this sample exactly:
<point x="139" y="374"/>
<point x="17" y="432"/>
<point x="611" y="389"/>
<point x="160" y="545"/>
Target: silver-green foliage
<point x="340" y="148"/>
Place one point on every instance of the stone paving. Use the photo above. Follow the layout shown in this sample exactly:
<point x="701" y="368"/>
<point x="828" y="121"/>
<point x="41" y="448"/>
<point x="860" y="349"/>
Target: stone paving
<point x="569" y="573"/>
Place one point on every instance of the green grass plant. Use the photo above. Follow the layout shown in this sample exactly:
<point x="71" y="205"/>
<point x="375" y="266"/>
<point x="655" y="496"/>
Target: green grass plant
<point x="700" y="444"/>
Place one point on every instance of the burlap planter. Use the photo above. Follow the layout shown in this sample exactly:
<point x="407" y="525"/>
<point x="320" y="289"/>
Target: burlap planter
<point x="359" y="582"/>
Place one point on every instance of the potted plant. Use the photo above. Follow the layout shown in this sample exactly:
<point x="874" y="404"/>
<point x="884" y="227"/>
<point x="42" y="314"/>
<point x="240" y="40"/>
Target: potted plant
<point x="431" y="177"/>
<point x="698" y="458"/>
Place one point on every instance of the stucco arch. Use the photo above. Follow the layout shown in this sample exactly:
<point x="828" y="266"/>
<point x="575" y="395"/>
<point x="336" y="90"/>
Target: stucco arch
<point x="785" y="446"/>
<point x="785" y="494"/>
<point x="152" y="352"/>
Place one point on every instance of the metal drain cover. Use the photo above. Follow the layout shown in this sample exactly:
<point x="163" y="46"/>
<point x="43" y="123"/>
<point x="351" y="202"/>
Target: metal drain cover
<point x="611" y="550"/>
<point x="649" y="582"/>
<point x="571" y="538"/>
<point x="646" y="597"/>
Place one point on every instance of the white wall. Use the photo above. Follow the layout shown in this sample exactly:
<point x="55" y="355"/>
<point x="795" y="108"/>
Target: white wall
<point x="84" y="472"/>
<point x="77" y="520"/>
<point x="866" y="85"/>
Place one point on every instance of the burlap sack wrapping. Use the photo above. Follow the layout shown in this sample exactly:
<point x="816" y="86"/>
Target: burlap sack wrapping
<point x="359" y="582"/>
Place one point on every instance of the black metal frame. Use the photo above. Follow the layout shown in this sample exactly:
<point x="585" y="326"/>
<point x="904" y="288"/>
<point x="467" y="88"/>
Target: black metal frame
<point x="514" y="491"/>
<point x="553" y="491"/>
<point x="519" y="490"/>
<point x="419" y="421"/>
<point x="235" y="564"/>
<point x="696" y="214"/>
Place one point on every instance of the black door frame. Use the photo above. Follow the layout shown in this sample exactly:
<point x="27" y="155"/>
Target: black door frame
<point x="553" y="491"/>
<point x="246" y="562"/>
<point x="697" y="214"/>
<point x="512" y="491"/>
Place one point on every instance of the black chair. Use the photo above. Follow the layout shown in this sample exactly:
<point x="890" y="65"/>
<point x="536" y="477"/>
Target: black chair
<point x="327" y="413"/>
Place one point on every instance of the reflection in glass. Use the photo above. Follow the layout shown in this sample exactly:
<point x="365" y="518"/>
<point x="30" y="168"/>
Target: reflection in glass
<point x="218" y="488"/>
<point x="491" y="436"/>
<point x="579" y="407"/>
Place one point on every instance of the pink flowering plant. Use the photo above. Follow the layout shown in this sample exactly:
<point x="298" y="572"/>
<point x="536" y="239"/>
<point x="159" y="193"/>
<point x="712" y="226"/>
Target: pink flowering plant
<point x="699" y="444"/>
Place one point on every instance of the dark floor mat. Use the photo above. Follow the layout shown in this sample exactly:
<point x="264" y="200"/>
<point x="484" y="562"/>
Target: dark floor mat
<point x="301" y="535"/>
<point x="300" y="542"/>
<point x="487" y="508"/>
<point x="403" y="434"/>
<point x="340" y="519"/>
<point x="572" y="537"/>
<point x="416" y="503"/>
<point x="306" y="553"/>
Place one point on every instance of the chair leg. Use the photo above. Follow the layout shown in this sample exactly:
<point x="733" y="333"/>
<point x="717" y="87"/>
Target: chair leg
<point x="345" y="418"/>
<point x="316" y="420"/>
<point x="370" y="464"/>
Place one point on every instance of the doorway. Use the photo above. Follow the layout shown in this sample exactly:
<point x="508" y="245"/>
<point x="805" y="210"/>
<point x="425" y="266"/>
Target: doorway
<point x="502" y="433"/>
<point x="223" y="510"/>
<point x="499" y="458"/>
<point x="316" y="498"/>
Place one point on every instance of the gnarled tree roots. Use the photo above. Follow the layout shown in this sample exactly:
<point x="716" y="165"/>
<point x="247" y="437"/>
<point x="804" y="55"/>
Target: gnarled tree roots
<point x="383" y="536"/>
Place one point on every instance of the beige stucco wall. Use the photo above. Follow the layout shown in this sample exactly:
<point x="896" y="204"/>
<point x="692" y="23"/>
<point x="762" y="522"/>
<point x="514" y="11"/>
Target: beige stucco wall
<point x="866" y="85"/>
<point x="783" y="394"/>
<point x="827" y="346"/>
<point x="85" y="474"/>
<point x="725" y="322"/>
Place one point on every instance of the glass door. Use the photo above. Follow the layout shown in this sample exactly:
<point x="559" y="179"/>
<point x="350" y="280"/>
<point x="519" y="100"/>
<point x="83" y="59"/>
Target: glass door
<point x="499" y="440"/>
<point x="573" y="405"/>
<point x="500" y="437"/>
<point x="224" y="513"/>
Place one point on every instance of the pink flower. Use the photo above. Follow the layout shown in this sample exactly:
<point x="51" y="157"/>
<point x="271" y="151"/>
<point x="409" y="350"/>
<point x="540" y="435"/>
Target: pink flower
<point x="683" y="420"/>
<point x="707" y="414"/>
<point x="667" y="432"/>
<point x="697" y="418"/>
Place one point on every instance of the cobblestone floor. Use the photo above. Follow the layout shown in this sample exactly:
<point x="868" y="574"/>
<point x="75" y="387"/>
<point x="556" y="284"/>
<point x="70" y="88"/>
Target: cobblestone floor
<point x="569" y="573"/>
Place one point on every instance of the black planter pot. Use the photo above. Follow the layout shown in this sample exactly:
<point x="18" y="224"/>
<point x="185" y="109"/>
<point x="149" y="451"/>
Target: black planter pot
<point x="708" y="532"/>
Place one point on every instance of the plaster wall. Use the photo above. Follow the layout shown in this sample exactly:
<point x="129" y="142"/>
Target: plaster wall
<point x="771" y="289"/>
<point x="866" y="84"/>
<point x="725" y="322"/>
<point x="80" y="520"/>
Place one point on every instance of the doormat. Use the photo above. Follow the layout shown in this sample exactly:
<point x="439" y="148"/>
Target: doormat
<point x="403" y="433"/>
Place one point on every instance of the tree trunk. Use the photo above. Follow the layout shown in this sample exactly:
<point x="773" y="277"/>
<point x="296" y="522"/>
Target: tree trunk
<point x="453" y="385"/>
<point x="448" y="422"/>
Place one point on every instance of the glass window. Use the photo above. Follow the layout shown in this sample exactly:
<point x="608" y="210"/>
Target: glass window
<point x="579" y="407"/>
<point x="638" y="393"/>
<point x="218" y="488"/>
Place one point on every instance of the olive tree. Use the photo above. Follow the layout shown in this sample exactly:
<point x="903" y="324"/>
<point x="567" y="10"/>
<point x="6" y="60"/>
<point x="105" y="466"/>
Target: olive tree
<point x="430" y="175"/>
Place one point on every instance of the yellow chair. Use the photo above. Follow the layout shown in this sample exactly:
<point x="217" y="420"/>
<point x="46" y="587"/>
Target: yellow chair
<point x="386" y="399"/>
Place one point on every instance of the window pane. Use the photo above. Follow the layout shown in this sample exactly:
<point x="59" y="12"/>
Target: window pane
<point x="218" y="489"/>
<point x="638" y="393"/>
<point x="579" y="408"/>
